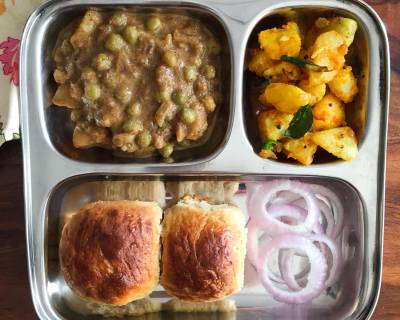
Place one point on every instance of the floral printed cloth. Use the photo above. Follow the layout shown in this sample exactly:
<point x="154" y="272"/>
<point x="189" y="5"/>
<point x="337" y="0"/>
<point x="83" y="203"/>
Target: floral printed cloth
<point x="13" y="15"/>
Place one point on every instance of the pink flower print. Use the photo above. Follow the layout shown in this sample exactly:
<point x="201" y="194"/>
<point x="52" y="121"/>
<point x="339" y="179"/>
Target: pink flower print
<point x="10" y="58"/>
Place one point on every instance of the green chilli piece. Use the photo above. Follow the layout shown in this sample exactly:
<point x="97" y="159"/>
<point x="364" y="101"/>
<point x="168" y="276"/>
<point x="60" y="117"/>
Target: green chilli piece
<point x="301" y="123"/>
<point x="305" y="64"/>
<point x="269" y="144"/>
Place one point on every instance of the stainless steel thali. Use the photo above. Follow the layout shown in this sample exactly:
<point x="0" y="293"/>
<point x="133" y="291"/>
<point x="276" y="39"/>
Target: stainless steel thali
<point x="50" y="174"/>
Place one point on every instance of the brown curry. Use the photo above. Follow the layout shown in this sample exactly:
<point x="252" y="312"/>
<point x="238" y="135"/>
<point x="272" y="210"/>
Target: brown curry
<point x="137" y="83"/>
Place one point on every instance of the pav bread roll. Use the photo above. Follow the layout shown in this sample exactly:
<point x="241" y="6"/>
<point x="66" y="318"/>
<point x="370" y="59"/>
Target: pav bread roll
<point x="204" y="247"/>
<point x="109" y="251"/>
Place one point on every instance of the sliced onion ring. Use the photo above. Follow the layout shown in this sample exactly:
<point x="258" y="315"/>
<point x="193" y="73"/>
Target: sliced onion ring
<point x="316" y="277"/>
<point x="264" y="195"/>
<point x="290" y="278"/>
<point x="336" y="204"/>
<point x="253" y="235"/>
<point x="292" y="211"/>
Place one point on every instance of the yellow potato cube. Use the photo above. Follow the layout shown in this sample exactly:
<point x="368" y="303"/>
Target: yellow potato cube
<point x="302" y="149"/>
<point x="272" y="124"/>
<point x="282" y="72"/>
<point x="317" y="91"/>
<point x="277" y="42"/>
<point x="346" y="27"/>
<point x="341" y="142"/>
<point x="286" y="98"/>
<point x="344" y="85"/>
<point x="259" y="62"/>
<point x="328" y="113"/>
<point x="316" y="78"/>
<point x="329" y="50"/>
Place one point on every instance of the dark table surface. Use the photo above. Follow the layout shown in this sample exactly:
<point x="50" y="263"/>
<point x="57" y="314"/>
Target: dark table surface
<point x="15" y="299"/>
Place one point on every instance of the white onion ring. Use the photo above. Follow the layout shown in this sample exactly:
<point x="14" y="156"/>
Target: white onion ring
<point x="337" y="260"/>
<point x="314" y="226"/>
<point x="282" y="210"/>
<point x="316" y="277"/>
<point x="285" y="197"/>
<point x="273" y="226"/>
<point x="292" y="211"/>
<point x="336" y="204"/>
<point x="253" y="233"/>
<point x="290" y="278"/>
<point x="333" y="216"/>
<point x="294" y="282"/>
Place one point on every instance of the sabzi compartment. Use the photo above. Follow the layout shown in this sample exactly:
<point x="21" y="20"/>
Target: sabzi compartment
<point x="59" y="127"/>
<point x="344" y="300"/>
<point x="357" y="57"/>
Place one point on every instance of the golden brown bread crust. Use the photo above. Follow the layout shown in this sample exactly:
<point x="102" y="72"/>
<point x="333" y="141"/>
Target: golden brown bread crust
<point x="204" y="248"/>
<point x="109" y="251"/>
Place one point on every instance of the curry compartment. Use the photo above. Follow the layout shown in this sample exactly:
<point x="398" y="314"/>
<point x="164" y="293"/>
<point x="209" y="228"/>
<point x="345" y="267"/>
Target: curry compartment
<point x="265" y="124"/>
<point x="136" y="84"/>
<point x="342" y="300"/>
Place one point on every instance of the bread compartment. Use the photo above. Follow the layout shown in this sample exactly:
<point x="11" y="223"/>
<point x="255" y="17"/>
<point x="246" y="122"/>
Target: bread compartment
<point x="340" y="113"/>
<point x="347" y="298"/>
<point x="120" y="142"/>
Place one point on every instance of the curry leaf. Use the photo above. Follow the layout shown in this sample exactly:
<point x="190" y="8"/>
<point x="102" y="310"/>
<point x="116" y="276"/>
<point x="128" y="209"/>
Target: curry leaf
<point x="301" y="123"/>
<point x="269" y="144"/>
<point x="305" y="64"/>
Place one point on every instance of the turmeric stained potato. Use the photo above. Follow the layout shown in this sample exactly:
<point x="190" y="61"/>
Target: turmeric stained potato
<point x="285" y="97"/>
<point x="317" y="91"/>
<point x="273" y="124"/>
<point x="329" y="50"/>
<point x="302" y="149"/>
<point x="344" y="85"/>
<point x="341" y="142"/>
<point x="328" y="113"/>
<point x="277" y="42"/>
<point x="308" y="85"/>
<point x="259" y="62"/>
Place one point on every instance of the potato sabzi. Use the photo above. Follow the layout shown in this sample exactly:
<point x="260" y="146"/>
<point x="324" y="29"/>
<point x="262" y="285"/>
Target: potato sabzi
<point x="307" y="88"/>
